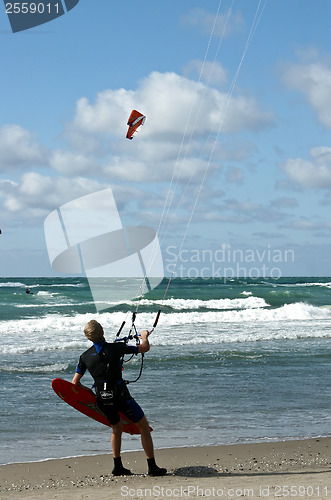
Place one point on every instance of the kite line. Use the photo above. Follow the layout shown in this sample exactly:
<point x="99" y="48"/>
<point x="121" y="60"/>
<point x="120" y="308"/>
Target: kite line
<point x="182" y="158"/>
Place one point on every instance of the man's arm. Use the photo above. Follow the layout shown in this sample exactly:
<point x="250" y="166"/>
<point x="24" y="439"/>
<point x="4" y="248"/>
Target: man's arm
<point x="76" y="381"/>
<point x="144" y="345"/>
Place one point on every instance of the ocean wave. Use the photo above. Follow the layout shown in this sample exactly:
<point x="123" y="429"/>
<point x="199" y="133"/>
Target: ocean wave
<point x="59" y="285"/>
<point x="60" y="333"/>
<point x="54" y="305"/>
<point x="13" y="284"/>
<point x="41" y="285"/>
<point x="326" y="285"/>
<point x="302" y="285"/>
<point x="288" y="312"/>
<point x="250" y="302"/>
<point x="229" y="336"/>
<point x="52" y="368"/>
<point x="59" y="323"/>
<point x="36" y="347"/>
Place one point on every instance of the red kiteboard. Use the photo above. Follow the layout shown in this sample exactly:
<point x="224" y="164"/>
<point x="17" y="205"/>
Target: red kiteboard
<point x="85" y="401"/>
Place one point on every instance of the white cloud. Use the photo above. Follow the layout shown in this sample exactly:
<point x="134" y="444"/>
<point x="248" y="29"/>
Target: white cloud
<point x="179" y="111"/>
<point x="169" y="145"/>
<point x="235" y="175"/>
<point x="311" y="174"/>
<point x="35" y="194"/>
<point x="242" y="206"/>
<point x="308" y="225"/>
<point x="72" y="162"/>
<point x="109" y="112"/>
<point x="157" y="169"/>
<point x="19" y="148"/>
<point x="313" y="79"/>
<point x="209" y="72"/>
<point x="284" y="202"/>
<point x="169" y="100"/>
<point x="225" y="24"/>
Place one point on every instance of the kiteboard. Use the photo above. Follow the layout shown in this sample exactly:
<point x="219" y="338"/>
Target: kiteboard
<point x="84" y="401"/>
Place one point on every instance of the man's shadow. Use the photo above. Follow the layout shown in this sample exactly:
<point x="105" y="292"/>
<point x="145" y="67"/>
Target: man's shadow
<point x="204" y="471"/>
<point x="196" y="471"/>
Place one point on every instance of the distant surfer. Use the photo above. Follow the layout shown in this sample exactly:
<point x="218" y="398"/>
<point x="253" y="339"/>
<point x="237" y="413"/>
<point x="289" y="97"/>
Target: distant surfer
<point x="28" y="291"/>
<point x="104" y="362"/>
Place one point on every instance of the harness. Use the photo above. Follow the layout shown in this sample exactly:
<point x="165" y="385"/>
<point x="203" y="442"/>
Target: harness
<point x="133" y="334"/>
<point x="108" y="392"/>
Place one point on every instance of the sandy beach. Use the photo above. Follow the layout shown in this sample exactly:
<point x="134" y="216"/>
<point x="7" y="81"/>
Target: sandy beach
<point x="287" y="469"/>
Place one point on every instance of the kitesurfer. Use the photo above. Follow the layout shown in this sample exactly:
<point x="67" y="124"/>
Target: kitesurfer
<point x="28" y="291"/>
<point x="104" y="362"/>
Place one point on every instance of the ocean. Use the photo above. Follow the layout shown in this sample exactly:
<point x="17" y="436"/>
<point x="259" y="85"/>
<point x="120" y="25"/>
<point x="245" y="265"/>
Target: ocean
<point x="231" y="361"/>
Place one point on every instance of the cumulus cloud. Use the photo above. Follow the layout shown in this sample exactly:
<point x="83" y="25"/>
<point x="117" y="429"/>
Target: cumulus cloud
<point x="108" y="111"/>
<point x="177" y="142"/>
<point x="179" y="111"/>
<point x="157" y="170"/>
<point x="169" y="100"/>
<point x="34" y="195"/>
<point x="308" y="225"/>
<point x="313" y="79"/>
<point x="240" y="211"/>
<point x="18" y="148"/>
<point x="311" y="174"/>
<point x="72" y="162"/>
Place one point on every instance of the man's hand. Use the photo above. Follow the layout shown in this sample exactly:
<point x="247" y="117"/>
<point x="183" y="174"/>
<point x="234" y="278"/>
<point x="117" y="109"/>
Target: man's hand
<point x="144" y="345"/>
<point x="144" y="334"/>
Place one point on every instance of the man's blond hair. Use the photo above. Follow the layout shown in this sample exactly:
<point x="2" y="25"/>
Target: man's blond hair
<point x="93" y="331"/>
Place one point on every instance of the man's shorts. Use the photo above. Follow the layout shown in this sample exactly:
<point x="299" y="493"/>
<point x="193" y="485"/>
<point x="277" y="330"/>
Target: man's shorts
<point x="124" y="403"/>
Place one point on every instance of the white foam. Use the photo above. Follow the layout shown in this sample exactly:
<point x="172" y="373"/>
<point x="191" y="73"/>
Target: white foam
<point x="306" y="284"/>
<point x="58" y="332"/>
<point x="53" y="368"/>
<point x="11" y="284"/>
<point x="180" y="304"/>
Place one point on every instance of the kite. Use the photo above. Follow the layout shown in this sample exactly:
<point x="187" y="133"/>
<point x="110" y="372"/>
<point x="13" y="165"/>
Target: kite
<point x="135" y="120"/>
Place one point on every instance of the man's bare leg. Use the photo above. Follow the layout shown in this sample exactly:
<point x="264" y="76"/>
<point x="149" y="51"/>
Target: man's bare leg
<point x="147" y="444"/>
<point x="116" y="441"/>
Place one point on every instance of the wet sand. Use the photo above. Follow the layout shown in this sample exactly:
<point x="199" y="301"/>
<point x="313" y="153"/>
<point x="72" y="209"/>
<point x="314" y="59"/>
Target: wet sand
<point x="286" y="469"/>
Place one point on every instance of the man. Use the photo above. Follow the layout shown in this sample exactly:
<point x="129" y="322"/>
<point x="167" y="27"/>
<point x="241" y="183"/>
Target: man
<point x="104" y="362"/>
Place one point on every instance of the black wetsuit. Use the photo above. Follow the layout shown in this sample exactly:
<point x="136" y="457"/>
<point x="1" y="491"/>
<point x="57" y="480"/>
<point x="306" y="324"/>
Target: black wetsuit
<point x="104" y="362"/>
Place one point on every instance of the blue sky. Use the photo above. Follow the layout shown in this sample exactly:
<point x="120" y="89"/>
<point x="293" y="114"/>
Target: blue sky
<point x="240" y="146"/>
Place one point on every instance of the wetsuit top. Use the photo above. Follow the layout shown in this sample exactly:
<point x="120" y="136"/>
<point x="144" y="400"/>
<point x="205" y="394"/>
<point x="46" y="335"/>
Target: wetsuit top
<point x="97" y="364"/>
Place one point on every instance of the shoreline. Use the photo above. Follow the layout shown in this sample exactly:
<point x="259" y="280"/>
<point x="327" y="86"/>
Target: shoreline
<point x="256" y="470"/>
<point x="174" y="448"/>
